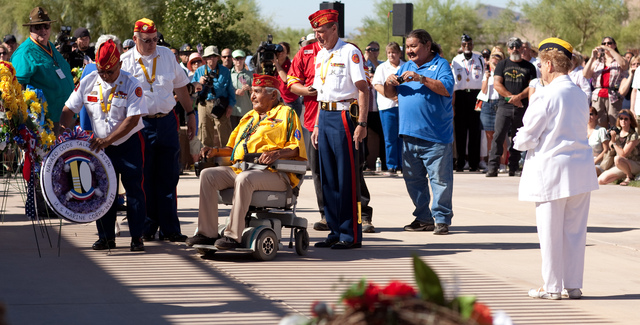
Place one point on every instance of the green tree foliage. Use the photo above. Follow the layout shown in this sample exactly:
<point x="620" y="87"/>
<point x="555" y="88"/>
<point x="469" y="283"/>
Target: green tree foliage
<point x="582" y="23"/>
<point x="498" y="29"/>
<point x="445" y="20"/>
<point x="210" y="22"/>
<point x="100" y="17"/>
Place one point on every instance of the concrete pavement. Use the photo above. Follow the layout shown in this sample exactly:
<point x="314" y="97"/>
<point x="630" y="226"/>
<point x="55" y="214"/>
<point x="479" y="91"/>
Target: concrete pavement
<point x="492" y="252"/>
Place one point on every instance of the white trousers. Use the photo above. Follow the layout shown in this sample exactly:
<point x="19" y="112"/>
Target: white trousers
<point x="562" y="230"/>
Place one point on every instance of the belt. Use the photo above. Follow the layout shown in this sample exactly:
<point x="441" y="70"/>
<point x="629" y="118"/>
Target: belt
<point x="336" y="106"/>
<point x="159" y="115"/>
<point x="467" y="90"/>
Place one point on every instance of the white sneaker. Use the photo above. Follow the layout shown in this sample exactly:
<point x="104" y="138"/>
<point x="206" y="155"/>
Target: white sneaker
<point x="503" y="169"/>
<point x="572" y="293"/>
<point x="482" y="165"/>
<point x="541" y="294"/>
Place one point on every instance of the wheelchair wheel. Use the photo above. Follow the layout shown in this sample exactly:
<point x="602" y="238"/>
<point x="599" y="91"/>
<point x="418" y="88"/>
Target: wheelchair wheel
<point x="302" y="241"/>
<point x="266" y="245"/>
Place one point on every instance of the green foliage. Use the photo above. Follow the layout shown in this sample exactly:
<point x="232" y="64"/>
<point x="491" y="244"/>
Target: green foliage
<point x="445" y="20"/>
<point x="582" y="23"/>
<point x="464" y="305"/>
<point x="100" y="17"/>
<point x="209" y="22"/>
<point x="428" y="282"/>
<point x="497" y="30"/>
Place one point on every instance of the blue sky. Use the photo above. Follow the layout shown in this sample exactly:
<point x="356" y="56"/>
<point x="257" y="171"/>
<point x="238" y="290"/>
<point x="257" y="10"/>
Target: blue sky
<point x="294" y="13"/>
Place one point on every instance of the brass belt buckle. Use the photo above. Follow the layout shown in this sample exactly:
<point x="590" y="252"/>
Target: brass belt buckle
<point x="323" y="105"/>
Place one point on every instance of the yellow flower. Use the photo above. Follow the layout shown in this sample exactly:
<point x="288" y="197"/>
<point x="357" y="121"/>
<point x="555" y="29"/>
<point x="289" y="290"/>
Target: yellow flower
<point x="35" y="107"/>
<point x="30" y="95"/>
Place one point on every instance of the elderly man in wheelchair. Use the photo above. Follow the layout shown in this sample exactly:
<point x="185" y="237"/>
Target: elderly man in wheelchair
<point x="269" y="132"/>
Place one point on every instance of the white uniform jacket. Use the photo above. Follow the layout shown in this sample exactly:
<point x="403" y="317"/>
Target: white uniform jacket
<point x="559" y="161"/>
<point x="169" y="75"/>
<point x="337" y="71"/>
<point x="128" y="100"/>
<point x="468" y="73"/>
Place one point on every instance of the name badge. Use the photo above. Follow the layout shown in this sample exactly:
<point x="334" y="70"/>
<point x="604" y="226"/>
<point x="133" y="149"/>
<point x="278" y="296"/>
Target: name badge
<point x="60" y="74"/>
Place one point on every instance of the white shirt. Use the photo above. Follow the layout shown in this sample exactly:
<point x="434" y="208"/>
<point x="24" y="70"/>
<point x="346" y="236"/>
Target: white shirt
<point x="341" y="67"/>
<point x="169" y="75"/>
<point x="578" y="78"/>
<point x="636" y="85"/>
<point x="467" y="73"/>
<point x="128" y="100"/>
<point x="491" y="94"/>
<point x="382" y="73"/>
<point x="559" y="161"/>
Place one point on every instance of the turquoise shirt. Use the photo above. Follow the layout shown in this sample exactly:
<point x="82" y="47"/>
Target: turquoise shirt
<point x="35" y="67"/>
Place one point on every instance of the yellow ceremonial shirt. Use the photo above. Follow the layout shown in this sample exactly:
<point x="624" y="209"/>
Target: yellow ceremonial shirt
<point x="279" y="129"/>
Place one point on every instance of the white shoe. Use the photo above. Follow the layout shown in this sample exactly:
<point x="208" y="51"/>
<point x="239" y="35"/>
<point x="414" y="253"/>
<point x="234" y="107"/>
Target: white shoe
<point x="572" y="293"/>
<point x="503" y="169"/>
<point x="541" y="294"/>
<point x="482" y="165"/>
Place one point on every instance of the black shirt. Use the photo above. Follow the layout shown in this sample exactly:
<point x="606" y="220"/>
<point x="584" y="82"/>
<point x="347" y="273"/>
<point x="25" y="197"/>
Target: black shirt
<point x="516" y="75"/>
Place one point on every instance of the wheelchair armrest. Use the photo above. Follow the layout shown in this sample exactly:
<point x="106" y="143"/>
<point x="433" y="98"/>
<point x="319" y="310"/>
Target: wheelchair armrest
<point x="290" y="166"/>
<point x="223" y="161"/>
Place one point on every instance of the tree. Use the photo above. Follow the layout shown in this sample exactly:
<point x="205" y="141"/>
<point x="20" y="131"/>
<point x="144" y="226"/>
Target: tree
<point x="441" y="18"/>
<point x="210" y="22"/>
<point x="100" y="17"/>
<point x="582" y="23"/>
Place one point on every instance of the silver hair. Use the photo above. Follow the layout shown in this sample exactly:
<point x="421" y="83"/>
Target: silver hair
<point x="270" y="90"/>
<point x="103" y="38"/>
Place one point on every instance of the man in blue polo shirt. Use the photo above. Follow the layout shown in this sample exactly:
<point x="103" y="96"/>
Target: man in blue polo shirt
<point x="424" y="86"/>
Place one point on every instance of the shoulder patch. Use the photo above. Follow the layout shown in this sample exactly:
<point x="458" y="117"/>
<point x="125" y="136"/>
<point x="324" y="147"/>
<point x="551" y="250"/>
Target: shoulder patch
<point x="139" y="92"/>
<point x="355" y="58"/>
<point x="297" y="134"/>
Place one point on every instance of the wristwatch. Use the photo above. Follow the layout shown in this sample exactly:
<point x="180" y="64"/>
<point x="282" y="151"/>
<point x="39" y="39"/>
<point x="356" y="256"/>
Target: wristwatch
<point x="363" y="124"/>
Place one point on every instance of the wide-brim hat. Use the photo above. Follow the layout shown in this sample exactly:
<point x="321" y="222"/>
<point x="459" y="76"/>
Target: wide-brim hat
<point x="210" y="50"/>
<point x="192" y="58"/>
<point x="38" y="16"/>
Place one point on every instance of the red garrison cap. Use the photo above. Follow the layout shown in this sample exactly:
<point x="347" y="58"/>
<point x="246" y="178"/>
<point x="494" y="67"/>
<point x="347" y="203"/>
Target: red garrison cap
<point x="263" y="80"/>
<point x="107" y="56"/>
<point x="145" y="25"/>
<point x="322" y="17"/>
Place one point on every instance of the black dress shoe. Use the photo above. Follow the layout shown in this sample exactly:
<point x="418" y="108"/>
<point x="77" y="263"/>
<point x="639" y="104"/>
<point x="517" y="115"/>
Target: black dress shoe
<point x="102" y="244"/>
<point x="151" y="237"/>
<point x="176" y="237"/>
<point x="325" y="243"/>
<point x="346" y="245"/>
<point x="137" y="245"/>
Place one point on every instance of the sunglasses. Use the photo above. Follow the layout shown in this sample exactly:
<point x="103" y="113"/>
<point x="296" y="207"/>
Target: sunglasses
<point x="593" y="114"/>
<point x="3" y="53"/>
<point x="42" y="26"/>
<point x="624" y="119"/>
<point x="226" y="56"/>
<point x="607" y="43"/>
<point x="372" y="50"/>
<point x="467" y="44"/>
<point x="149" y="41"/>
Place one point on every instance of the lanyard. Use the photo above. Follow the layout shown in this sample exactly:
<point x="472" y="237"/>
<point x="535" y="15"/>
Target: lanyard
<point x="248" y="131"/>
<point x="323" y="69"/>
<point x="106" y="107"/>
<point x="468" y="67"/>
<point x="153" y="71"/>
<point x="49" y="51"/>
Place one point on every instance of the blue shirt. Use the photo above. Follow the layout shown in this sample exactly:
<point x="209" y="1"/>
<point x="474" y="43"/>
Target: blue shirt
<point x="222" y="83"/>
<point x="423" y="113"/>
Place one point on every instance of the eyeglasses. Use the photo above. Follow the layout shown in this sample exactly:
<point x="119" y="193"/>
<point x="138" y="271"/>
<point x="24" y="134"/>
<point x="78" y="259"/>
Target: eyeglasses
<point x="372" y="50"/>
<point x="41" y="26"/>
<point x="467" y="44"/>
<point x="593" y="114"/>
<point x="607" y="43"/>
<point x="624" y="119"/>
<point x="149" y="41"/>
<point x="103" y="73"/>
<point x="226" y="56"/>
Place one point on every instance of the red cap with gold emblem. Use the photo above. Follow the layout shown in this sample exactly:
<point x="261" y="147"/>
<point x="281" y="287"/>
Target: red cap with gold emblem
<point x="107" y="56"/>
<point x="145" y="25"/>
<point x="322" y="17"/>
<point x="263" y="80"/>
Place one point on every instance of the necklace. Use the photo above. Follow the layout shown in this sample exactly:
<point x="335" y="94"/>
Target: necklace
<point x="153" y="72"/>
<point x="106" y="107"/>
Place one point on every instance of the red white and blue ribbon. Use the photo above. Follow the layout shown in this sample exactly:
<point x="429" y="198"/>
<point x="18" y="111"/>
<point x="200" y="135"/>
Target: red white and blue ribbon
<point x="75" y="134"/>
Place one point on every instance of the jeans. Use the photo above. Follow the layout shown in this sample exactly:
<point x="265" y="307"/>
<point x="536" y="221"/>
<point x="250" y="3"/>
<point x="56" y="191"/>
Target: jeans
<point x="392" y="141"/>
<point x="422" y="159"/>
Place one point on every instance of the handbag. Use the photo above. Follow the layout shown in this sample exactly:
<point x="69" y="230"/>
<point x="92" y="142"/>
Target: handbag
<point x="478" y="107"/>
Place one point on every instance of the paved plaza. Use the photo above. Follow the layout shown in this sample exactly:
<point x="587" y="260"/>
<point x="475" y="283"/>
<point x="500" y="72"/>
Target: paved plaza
<point x="492" y="252"/>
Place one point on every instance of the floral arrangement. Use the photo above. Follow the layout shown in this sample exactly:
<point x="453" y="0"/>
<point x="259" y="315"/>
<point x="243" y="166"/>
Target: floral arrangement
<point x="23" y="119"/>
<point x="77" y="74"/>
<point x="399" y="303"/>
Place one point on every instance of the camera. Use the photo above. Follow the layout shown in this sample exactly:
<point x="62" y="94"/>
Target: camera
<point x="63" y="39"/>
<point x="600" y="53"/>
<point x="400" y="79"/>
<point x="614" y="129"/>
<point x="266" y="55"/>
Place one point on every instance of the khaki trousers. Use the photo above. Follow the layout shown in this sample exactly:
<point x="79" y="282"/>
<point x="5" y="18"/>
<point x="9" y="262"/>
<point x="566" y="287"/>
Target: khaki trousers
<point x="215" y="179"/>
<point x="213" y="132"/>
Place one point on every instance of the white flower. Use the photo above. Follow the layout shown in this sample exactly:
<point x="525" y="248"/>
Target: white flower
<point x="3" y="145"/>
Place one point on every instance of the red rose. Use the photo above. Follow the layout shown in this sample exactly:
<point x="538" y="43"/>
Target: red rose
<point x="481" y="314"/>
<point x="399" y="289"/>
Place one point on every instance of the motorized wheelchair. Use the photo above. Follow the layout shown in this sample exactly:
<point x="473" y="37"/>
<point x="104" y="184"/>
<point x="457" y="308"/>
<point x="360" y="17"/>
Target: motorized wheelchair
<point x="269" y="213"/>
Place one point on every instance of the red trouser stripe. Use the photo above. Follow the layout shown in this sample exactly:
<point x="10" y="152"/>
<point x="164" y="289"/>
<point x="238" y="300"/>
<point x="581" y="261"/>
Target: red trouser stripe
<point x="354" y="202"/>
<point x="142" y="144"/>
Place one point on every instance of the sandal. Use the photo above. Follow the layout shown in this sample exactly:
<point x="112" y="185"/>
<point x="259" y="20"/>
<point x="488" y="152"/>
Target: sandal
<point x="625" y="182"/>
